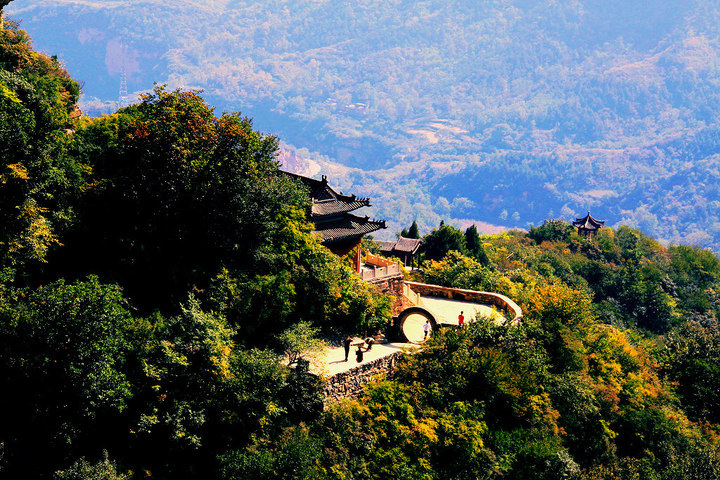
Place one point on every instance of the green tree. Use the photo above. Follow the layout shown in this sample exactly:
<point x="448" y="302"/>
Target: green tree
<point x="474" y="245"/>
<point x="413" y="232"/>
<point x="300" y="339"/>
<point x="39" y="181"/>
<point x="695" y="273"/>
<point x="314" y="286"/>
<point x="641" y="294"/>
<point x="164" y="166"/>
<point x="302" y="395"/>
<point x="294" y="458"/>
<point x="586" y="434"/>
<point x="559" y="313"/>
<point x="694" y="363"/>
<point x="440" y="241"/>
<point x="199" y="394"/>
<point x="84" y="470"/>
<point x="457" y="270"/>
<point x="551" y="231"/>
<point x="63" y="354"/>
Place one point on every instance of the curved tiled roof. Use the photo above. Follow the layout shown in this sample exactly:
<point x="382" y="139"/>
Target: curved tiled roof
<point x="346" y="226"/>
<point x="386" y="246"/>
<point x="407" y="245"/>
<point x="588" y="223"/>
<point x="327" y="201"/>
<point x="403" y="245"/>
<point x="338" y="205"/>
<point x="330" y="212"/>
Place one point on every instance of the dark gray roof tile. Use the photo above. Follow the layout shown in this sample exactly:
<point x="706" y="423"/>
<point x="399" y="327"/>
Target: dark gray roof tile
<point x="346" y="226"/>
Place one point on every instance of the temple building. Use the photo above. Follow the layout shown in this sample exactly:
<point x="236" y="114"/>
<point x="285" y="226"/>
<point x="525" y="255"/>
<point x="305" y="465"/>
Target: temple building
<point x="404" y="248"/>
<point x="339" y="230"/>
<point x="588" y="226"/>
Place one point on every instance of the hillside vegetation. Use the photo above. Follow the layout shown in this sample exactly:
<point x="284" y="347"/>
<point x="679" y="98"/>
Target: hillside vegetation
<point x="149" y="262"/>
<point x="155" y="268"/>
<point x="504" y="112"/>
<point x="612" y="374"/>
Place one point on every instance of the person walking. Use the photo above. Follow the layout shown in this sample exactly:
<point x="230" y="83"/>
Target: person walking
<point x="426" y="328"/>
<point x="359" y="354"/>
<point x="461" y="320"/>
<point x="346" y="345"/>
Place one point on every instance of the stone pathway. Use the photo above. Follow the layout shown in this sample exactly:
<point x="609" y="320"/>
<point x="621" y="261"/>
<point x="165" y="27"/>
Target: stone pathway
<point x="447" y="311"/>
<point x="331" y="361"/>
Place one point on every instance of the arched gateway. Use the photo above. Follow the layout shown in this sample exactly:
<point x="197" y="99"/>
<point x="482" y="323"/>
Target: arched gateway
<point x="411" y="320"/>
<point x="440" y="307"/>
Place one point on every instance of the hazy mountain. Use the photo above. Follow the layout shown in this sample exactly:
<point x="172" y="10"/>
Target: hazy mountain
<point x="505" y="112"/>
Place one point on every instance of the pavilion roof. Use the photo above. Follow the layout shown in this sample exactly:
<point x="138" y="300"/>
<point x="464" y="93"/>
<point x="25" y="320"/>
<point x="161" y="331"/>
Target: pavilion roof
<point x="408" y="245"/>
<point x="402" y="245"/>
<point x="338" y="205"/>
<point x="588" y="223"/>
<point x="326" y="201"/>
<point x="386" y="246"/>
<point x="346" y="226"/>
<point x="331" y="215"/>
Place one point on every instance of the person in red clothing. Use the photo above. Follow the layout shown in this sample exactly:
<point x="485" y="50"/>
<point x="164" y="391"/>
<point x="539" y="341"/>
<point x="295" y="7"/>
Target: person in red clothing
<point x="461" y="319"/>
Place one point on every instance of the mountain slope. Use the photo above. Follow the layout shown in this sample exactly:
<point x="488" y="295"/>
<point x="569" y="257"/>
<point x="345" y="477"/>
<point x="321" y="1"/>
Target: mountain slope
<point x="506" y="112"/>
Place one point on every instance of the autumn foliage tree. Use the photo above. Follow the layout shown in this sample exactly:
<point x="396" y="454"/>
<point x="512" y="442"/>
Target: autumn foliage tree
<point x="38" y="179"/>
<point x="163" y="167"/>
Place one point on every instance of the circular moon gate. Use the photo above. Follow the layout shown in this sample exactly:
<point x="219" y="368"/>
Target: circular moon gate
<point x="411" y="321"/>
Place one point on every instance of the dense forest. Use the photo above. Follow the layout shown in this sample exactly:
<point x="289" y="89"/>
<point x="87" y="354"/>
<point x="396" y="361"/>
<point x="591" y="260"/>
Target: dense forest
<point x="503" y="112"/>
<point x="151" y="261"/>
<point x="154" y="265"/>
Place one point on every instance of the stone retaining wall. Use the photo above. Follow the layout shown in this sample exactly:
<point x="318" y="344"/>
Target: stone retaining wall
<point x="351" y="382"/>
<point x="395" y="286"/>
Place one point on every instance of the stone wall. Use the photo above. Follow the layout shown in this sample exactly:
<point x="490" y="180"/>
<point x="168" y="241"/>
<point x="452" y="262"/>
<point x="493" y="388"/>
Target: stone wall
<point x="395" y="286"/>
<point x="351" y="382"/>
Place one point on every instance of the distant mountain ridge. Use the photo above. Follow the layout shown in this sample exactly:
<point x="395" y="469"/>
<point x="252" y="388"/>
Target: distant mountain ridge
<point x="505" y="112"/>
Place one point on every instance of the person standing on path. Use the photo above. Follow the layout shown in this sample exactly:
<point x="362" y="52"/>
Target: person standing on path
<point x="461" y="319"/>
<point x="426" y="328"/>
<point x="359" y="354"/>
<point x="346" y="345"/>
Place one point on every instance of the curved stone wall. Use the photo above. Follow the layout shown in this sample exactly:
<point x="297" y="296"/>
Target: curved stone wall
<point x="511" y="309"/>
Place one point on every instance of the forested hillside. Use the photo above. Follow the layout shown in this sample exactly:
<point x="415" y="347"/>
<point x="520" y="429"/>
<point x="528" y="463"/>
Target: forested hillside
<point x="155" y="268"/>
<point x="612" y="374"/>
<point x="149" y="262"/>
<point x="505" y="112"/>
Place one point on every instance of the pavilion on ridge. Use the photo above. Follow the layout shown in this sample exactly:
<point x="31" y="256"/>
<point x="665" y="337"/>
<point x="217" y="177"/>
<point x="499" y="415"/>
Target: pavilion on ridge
<point x="404" y="248"/>
<point x="588" y="226"/>
<point x="339" y="230"/>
